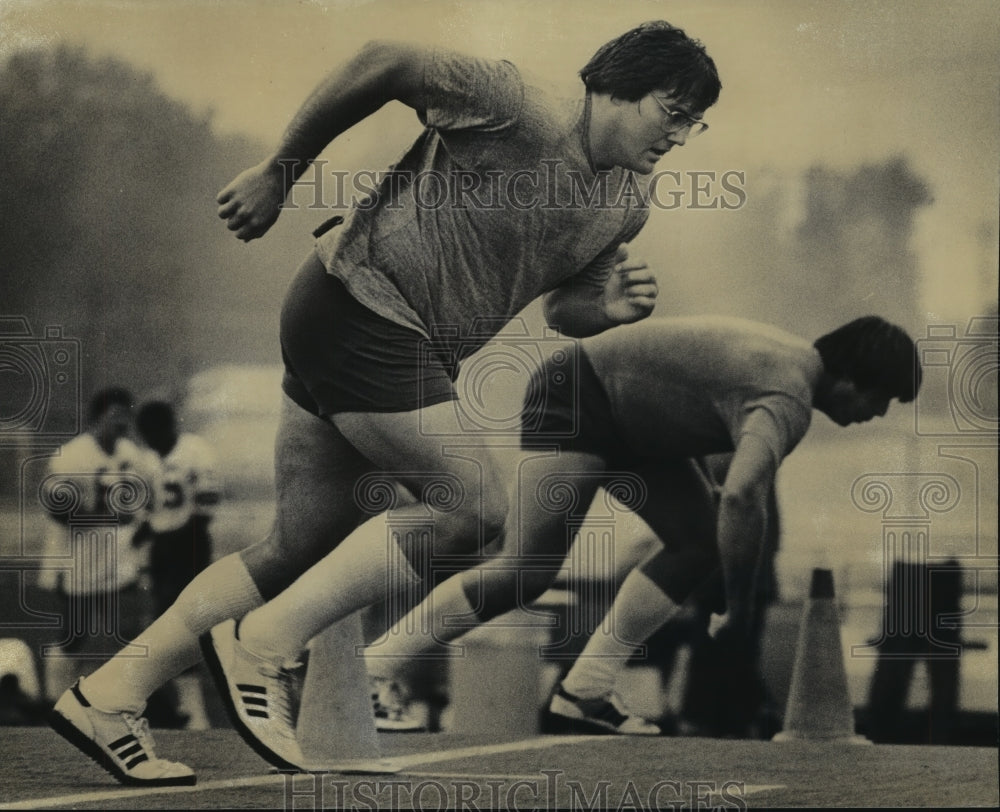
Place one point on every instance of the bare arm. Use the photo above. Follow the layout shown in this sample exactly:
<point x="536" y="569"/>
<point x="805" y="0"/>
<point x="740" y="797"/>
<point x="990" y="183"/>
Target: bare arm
<point x="580" y="309"/>
<point x="380" y="72"/>
<point x="742" y="524"/>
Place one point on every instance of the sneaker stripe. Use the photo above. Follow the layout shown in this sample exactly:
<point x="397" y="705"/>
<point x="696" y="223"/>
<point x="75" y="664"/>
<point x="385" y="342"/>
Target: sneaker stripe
<point x="252" y="689"/>
<point x="271" y="738"/>
<point x="260" y="701"/>
<point x="122" y="742"/>
<point x="137" y="760"/>
<point x="68" y="729"/>
<point x="130" y="751"/>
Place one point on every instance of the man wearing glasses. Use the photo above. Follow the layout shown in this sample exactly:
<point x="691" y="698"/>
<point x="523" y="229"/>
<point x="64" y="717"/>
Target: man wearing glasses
<point x="676" y="120"/>
<point x="362" y="395"/>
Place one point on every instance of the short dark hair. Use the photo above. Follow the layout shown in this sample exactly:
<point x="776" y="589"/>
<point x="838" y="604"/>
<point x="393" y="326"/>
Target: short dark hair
<point x="654" y="56"/>
<point x="874" y="354"/>
<point x="106" y="398"/>
<point x="154" y="417"/>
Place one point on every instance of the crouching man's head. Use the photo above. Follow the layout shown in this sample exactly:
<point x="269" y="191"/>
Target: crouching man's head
<point x="866" y="364"/>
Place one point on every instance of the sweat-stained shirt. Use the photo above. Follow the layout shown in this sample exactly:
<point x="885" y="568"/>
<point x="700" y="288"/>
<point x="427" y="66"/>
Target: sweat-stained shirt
<point x="685" y="387"/>
<point x="492" y="206"/>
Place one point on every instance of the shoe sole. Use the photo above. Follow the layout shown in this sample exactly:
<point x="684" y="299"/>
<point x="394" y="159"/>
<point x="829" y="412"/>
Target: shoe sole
<point x="222" y="687"/>
<point x="86" y="745"/>
<point x="558" y="723"/>
<point x="382" y="729"/>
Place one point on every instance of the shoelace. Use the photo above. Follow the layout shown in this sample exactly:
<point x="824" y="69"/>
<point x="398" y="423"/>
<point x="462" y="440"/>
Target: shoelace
<point x="287" y="679"/>
<point x="139" y="727"/>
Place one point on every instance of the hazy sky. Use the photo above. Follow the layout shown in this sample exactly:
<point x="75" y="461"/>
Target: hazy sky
<point x="833" y="82"/>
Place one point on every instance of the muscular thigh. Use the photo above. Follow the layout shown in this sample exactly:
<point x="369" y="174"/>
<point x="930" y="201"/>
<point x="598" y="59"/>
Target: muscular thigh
<point x="426" y="451"/>
<point x="681" y="510"/>
<point x="553" y="494"/>
<point x="317" y="472"/>
<point x="680" y="506"/>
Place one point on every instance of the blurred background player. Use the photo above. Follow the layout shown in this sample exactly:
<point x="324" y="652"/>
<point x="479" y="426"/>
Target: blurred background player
<point x="95" y="495"/>
<point x="650" y="396"/>
<point x="921" y="603"/>
<point x="185" y="493"/>
<point x="21" y="701"/>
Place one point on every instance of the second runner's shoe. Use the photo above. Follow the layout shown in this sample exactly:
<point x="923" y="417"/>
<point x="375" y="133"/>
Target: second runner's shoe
<point x="606" y="713"/>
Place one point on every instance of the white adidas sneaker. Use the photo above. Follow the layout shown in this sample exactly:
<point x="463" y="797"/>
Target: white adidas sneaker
<point x="118" y="741"/>
<point x="260" y="695"/>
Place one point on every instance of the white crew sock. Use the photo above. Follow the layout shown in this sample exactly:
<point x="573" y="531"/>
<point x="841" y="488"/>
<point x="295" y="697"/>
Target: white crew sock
<point x="221" y="591"/>
<point x="365" y="567"/>
<point x="640" y="608"/>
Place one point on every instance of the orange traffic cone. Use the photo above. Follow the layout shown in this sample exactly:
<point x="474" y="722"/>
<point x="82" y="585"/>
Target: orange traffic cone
<point x="819" y="707"/>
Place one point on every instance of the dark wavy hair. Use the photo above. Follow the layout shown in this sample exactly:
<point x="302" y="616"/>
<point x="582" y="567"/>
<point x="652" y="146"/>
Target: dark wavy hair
<point x="875" y="355"/>
<point x="654" y="56"/>
<point x="154" y="417"/>
<point x="106" y="398"/>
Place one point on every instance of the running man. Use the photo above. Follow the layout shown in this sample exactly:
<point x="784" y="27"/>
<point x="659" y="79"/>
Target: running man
<point x="360" y="395"/>
<point x="650" y="396"/>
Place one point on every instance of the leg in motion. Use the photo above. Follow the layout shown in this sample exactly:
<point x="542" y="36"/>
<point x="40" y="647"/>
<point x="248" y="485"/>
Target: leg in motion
<point x="460" y="507"/>
<point x="680" y="510"/>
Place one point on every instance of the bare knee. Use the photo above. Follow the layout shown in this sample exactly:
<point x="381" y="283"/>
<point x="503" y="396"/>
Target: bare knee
<point x="494" y="514"/>
<point x="466" y="515"/>
<point x="467" y="529"/>
<point x="273" y="566"/>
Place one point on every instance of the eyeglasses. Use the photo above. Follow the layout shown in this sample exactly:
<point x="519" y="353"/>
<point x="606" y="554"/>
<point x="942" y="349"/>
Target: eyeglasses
<point x="677" y="120"/>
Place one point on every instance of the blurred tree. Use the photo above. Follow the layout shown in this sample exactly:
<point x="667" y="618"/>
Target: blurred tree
<point x="108" y="226"/>
<point x="807" y="252"/>
<point x="854" y="243"/>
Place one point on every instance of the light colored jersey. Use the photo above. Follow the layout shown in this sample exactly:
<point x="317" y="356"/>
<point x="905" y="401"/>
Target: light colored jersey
<point x="694" y="386"/>
<point x="186" y="484"/>
<point x="87" y="487"/>
<point x="457" y="265"/>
